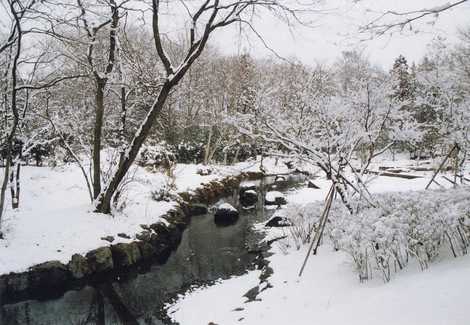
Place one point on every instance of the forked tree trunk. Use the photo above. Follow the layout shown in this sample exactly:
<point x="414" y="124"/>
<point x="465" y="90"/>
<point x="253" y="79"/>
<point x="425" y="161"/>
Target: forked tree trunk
<point x="105" y="198"/>
<point x="13" y="107"/>
<point x="103" y="202"/>
<point x="235" y="157"/>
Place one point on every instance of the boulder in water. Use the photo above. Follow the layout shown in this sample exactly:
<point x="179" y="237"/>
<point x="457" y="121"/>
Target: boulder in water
<point x="248" y="198"/>
<point x="100" y="259"/>
<point x="78" y="266"/>
<point x="246" y="186"/>
<point x="275" y="198"/>
<point x="125" y="254"/>
<point x="48" y="279"/>
<point x="196" y="209"/>
<point x="278" y="221"/>
<point x="225" y="214"/>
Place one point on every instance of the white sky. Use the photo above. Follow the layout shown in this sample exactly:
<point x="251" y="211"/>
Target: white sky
<point x="337" y="32"/>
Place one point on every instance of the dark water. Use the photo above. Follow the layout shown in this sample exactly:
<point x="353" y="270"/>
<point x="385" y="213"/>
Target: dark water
<point x="206" y="253"/>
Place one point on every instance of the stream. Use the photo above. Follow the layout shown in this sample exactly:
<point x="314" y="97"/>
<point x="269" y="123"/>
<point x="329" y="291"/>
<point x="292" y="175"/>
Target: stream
<point x="206" y="253"/>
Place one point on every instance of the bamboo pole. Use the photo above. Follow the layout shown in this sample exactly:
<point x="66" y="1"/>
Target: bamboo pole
<point x="323" y="219"/>
<point x="441" y="165"/>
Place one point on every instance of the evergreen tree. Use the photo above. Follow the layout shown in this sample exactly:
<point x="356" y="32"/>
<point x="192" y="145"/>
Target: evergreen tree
<point x="402" y="80"/>
<point x="247" y="93"/>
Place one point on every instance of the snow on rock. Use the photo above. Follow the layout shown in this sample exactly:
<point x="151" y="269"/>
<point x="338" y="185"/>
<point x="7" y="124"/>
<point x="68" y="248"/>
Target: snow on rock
<point x="273" y="195"/>
<point x="278" y="221"/>
<point x="248" y="186"/>
<point x="226" y="206"/>
<point x="248" y="198"/>
<point x="225" y="214"/>
<point x="275" y="198"/>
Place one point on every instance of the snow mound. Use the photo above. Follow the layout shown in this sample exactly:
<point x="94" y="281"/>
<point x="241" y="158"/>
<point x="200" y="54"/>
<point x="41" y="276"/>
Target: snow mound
<point x="273" y="195"/>
<point x="226" y="206"/>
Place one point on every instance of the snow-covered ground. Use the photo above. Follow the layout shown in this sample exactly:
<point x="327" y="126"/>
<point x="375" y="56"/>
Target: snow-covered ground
<point x="56" y="219"/>
<point x="329" y="294"/>
<point x="329" y="291"/>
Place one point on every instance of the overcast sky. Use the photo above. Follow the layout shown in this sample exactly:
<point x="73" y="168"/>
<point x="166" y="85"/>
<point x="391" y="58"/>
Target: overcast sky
<point x="336" y="32"/>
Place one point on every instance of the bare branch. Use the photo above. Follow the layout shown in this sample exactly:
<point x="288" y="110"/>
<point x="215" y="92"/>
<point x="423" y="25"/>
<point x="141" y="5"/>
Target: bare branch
<point x="405" y="18"/>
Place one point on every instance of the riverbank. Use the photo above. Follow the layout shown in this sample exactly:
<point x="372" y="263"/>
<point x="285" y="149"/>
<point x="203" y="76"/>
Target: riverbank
<point x="56" y="219"/>
<point x="329" y="291"/>
<point x="55" y="241"/>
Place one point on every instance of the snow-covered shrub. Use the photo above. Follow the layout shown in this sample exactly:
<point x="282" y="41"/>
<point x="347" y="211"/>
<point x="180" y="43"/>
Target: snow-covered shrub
<point x="160" y="157"/>
<point x="29" y="152"/>
<point x="189" y="152"/>
<point x="303" y="219"/>
<point x="403" y="227"/>
<point x="413" y="225"/>
<point x="156" y="155"/>
<point x="204" y="171"/>
<point x="164" y="193"/>
<point x="237" y="151"/>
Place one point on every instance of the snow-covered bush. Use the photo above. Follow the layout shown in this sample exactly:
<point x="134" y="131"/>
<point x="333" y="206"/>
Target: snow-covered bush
<point x="160" y="157"/>
<point x="237" y="151"/>
<point x="165" y="193"/>
<point x="189" y="152"/>
<point x="303" y="220"/>
<point x="155" y="155"/>
<point x="403" y="227"/>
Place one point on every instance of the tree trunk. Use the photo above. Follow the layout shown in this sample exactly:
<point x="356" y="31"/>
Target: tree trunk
<point x="235" y="157"/>
<point x="3" y="192"/>
<point x="14" y="108"/>
<point x="122" y="135"/>
<point x="15" y="185"/>
<point x="104" y="200"/>
<point x="208" y="148"/>
<point x="97" y="132"/>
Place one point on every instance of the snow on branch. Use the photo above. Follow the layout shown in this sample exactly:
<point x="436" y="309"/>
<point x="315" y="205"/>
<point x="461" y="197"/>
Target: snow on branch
<point x="401" y="20"/>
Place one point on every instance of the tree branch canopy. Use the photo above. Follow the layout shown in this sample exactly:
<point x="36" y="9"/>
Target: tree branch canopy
<point x="401" y="20"/>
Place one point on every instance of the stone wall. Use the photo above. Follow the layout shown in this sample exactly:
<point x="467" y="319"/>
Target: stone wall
<point x="153" y="245"/>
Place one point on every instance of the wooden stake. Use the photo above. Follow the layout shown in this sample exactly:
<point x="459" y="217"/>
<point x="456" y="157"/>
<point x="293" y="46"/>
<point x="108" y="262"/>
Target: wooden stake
<point x="323" y="219"/>
<point x="441" y="165"/>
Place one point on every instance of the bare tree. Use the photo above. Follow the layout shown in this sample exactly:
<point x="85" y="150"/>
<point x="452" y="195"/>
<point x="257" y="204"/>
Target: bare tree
<point x="210" y="16"/>
<point x="19" y="56"/>
<point x="13" y="44"/>
<point x="100" y="78"/>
